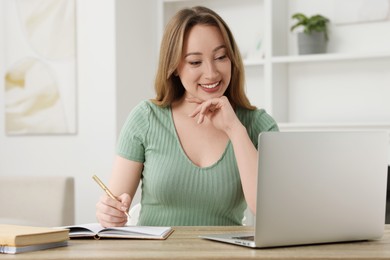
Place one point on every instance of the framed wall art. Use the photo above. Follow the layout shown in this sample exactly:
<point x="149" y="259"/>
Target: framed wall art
<point x="40" y="76"/>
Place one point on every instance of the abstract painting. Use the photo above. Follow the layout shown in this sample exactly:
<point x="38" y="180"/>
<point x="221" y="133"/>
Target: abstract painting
<point x="40" y="67"/>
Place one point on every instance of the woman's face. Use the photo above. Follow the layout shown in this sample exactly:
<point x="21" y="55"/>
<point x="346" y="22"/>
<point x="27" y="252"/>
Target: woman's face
<point x="205" y="68"/>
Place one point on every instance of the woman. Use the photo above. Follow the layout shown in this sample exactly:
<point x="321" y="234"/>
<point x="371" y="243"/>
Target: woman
<point x="194" y="145"/>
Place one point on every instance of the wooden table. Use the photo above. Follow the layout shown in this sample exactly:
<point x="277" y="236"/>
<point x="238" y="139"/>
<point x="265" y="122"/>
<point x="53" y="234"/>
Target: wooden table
<point x="185" y="244"/>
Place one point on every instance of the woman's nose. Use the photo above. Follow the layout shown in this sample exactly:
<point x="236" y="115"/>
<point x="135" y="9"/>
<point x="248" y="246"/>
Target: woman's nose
<point x="211" y="70"/>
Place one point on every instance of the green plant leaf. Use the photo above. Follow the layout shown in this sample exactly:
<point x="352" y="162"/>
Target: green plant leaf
<point x="317" y="23"/>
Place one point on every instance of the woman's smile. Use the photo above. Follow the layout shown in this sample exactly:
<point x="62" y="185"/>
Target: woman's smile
<point x="211" y="87"/>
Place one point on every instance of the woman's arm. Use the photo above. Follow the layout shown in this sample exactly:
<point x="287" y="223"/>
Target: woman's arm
<point x="246" y="157"/>
<point x="223" y="117"/>
<point x="123" y="184"/>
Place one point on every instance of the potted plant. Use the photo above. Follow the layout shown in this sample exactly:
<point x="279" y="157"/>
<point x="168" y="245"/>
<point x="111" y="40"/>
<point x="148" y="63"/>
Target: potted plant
<point x="314" y="37"/>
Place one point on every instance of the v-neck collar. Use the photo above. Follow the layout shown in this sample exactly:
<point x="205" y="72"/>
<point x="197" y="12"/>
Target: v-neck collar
<point x="170" y="111"/>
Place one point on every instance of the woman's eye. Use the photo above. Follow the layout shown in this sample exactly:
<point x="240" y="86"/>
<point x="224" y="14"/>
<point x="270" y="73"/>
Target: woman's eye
<point x="222" y="57"/>
<point x="194" y="63"/>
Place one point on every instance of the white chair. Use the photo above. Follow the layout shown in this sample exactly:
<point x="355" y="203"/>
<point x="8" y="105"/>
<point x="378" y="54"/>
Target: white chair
<point x="134" y="214"/>
<point x="37" y="200"/>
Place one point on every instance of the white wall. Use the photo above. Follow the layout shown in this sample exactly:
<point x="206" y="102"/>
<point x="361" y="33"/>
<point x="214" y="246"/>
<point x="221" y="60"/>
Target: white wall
<point x="136" y="57"/>
<point x="109" y="83"/>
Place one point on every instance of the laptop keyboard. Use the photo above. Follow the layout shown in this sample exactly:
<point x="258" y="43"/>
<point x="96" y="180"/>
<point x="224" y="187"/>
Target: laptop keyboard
<point x="249" y="238"/>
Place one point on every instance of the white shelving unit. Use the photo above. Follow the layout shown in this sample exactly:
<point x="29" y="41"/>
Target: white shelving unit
<point x="346" y="88"/>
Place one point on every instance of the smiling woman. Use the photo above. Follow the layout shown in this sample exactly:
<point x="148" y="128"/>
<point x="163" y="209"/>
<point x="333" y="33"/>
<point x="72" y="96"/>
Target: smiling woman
<point x="194" y="144"/>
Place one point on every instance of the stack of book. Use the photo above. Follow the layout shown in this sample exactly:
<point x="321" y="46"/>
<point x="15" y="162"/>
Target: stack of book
<point x="17" y="239"/>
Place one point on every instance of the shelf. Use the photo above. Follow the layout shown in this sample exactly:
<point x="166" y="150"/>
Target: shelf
<point x="254" y="62"/>
<point x="329" y="57"/>
<point x="286" y="127"/>
<point x="319" y="58"/>
<point x="173" y="1"/>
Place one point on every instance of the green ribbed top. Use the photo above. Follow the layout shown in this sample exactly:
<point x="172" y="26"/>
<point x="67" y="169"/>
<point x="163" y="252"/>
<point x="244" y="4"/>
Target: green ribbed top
<point x="176" y="192"/>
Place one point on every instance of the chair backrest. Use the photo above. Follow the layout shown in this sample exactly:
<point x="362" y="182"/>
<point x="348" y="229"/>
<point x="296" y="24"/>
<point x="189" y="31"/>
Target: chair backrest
<point x="37" y="200"/>
<point x="134" y="214"/>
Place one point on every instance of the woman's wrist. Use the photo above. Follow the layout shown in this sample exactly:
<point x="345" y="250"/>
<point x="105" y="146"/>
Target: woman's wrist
<point x="236" y="130"/>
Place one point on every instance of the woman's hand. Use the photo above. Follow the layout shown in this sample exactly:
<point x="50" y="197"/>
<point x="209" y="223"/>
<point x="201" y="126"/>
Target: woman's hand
<point x="218" y="110"/>
<point x="110" y="212"/>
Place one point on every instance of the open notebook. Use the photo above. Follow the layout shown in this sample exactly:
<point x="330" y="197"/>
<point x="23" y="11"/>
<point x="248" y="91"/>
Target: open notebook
<point x="96" y="231"/>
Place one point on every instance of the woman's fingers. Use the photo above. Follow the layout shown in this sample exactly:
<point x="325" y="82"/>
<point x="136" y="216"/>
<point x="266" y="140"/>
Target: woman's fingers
<point x="125" y="199"/>
<point x="111" y="212"/>
<point x="207" y="108"/>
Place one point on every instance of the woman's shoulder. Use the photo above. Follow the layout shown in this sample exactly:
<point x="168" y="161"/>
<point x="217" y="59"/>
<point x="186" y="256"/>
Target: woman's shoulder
<point x="257" y="118"/>
<point x="147" y="106"/>
<point x="148" y="111"/>
<point x="250" y="114"/>
<point x="143" y="105"/>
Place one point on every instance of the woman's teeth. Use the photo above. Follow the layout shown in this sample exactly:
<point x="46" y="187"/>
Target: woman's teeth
<point x="210" y="85"/>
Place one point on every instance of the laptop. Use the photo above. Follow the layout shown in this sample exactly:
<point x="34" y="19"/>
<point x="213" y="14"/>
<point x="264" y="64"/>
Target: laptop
<point x="317" y="187"/>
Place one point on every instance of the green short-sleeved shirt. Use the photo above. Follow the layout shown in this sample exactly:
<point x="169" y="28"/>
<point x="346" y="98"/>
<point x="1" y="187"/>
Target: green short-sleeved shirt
<point x="176" y="192"/>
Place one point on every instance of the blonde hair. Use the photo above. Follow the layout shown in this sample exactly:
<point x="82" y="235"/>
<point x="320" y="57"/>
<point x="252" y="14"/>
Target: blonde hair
<point x="168" y="86"/>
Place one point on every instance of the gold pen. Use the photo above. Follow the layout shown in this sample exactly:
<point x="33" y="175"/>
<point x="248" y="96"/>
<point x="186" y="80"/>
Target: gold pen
<point x="108" y="192"/>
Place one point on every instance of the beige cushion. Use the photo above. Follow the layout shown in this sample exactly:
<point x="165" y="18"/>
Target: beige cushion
<point x="37" y="200"/>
